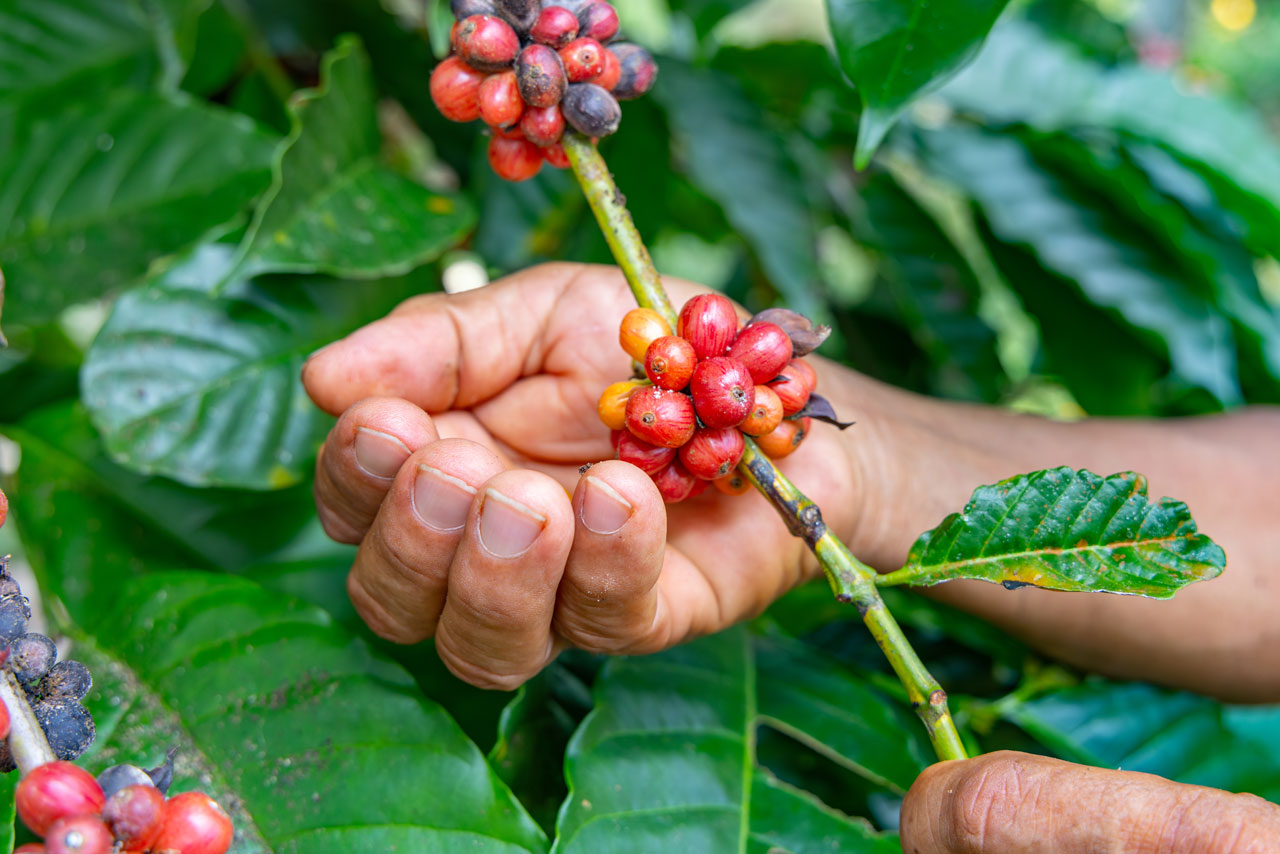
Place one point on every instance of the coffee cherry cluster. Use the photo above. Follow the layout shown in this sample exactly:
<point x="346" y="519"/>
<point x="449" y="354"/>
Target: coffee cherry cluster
<point x="705" y="387"/>
<point x="123" y="811"/>
<point x="528" y="71"/>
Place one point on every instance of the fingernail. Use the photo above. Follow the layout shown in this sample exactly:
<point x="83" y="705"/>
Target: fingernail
<point x="441" y="500"/>
<point x="379" y="454"/>
<point x="604" y="510"/>
<point x="507" y="527"/>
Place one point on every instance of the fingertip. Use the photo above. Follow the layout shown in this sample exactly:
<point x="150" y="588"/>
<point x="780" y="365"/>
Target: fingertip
<point x="611" y="494"/>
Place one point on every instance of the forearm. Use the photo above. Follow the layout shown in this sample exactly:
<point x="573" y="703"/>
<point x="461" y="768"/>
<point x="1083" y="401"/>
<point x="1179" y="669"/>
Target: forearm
<point x="918" y="459"/>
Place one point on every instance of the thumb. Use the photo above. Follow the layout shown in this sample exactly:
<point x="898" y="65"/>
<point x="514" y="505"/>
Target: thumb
<point x="1016" y="803"/>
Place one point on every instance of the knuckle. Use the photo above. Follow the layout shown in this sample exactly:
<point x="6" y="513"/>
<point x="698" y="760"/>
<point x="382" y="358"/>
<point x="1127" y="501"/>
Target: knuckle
<point x="338" y="527"/>
<point x="377" y="618"/>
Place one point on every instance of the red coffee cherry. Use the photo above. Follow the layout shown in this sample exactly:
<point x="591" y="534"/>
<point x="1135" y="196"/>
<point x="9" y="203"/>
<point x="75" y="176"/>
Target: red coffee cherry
<point x="794" y="388"/>
<point x="4" y="721"/>
<point x="30" y="848"/>
<point x="608" y="78"/>
<point x="80" y="834"/>
<point x="543" y="126"/>
<point x="500" y="102"/>
<point x="612" y="406"/>
<point x="723" y="393"/>
<point x="638" y="71"/>
<point x="650" y="459"/>
<point x="487" y="42"/>
<point x="784" y="439"/>
<point x="556" y="27"/>
<point x="709" y="323"/>
<point x="713" y="453"/>
<point x="766" y="412"/>
<point x="764" y="348"/>
<point x="732" y="484"/>
<point x="56" y="790"/>
<point x="193" y="823"/>
<point x="514" y="159"/>
<point x="455" y="89"/>
<point x="660" y="417"/>
<point x="583" y="59"/>
<point x="555" y="155"/>
<point x="591" y="110"/>
<point x="640" y="327"/>
<point x="669" y="362"/>
<point x="541" y="76"/>
<point x="134" y="814"/>
<point x="507" y="133"/>
<point x="598" y="21"/>
<point x="675" y="483"/>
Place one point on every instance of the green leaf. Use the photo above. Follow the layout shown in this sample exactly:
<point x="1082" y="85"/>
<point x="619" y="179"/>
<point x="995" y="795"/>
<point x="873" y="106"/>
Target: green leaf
<point x="1082" y="238"/>
<point x="207" y="389"/>
<point x="894" y="50"/>
<point x="665" y="761"/>
<point x="91" y="195"/>
<point x="1140" y="727"/>
<point x="1067" y="529"/>
<point x="733" y="157"/>
<point x="332" y="207"/>
<point x="313" y="742"/>
<point x="8" y="811"/>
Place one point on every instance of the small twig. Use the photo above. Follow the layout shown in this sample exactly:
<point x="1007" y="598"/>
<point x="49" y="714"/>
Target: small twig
<point x="27" y="743"/>
<point x="850" y="579"/>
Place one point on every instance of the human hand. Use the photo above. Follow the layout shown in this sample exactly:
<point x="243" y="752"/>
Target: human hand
<point x="455" y="466"/>
<point x="1016" y="803"/>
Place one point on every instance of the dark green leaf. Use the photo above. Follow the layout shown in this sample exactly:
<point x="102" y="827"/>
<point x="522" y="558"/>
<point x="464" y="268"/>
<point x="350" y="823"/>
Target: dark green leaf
<point x="8" y="811"/>
<point x="893" y="50"/>
<point x="90" y="196"/>
<point x="1067" y="529"/>
<point x="733" y="158"/>
<point x="705" y="14"/>
<point x="665" y="760"/>
<point x="207" y="390"/>
<point x="332" y="207"/>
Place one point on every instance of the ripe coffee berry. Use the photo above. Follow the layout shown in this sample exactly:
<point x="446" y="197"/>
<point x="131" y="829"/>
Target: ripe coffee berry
<point x="583" y="59"/>
<point x="500" y="101"/>
<point x="722" y="392"/>
<point x="766" y="413"/>
<point x="455" y="89"/>
<point x="709" y="323"/>
<point x="543" y="126"/>
<point x="30" y="848"/>
<point x="555" y="155"/>
<point x="794" y="386"/>
<point x="713" y="453"/>
<point x="134" y="815"/>
<point x="660" y="417"/>
<point x="732" y="484"/>
<point x="514" y="159"/>
<point x="556" y="27"/>
<point x="639" y="328"/>
<point x="669" y="362"/>
<point x="764" y="348"/>
<point x="193" y="823"/>
<point x="675" y="483"/>
<point x="591" y="110"/>
<point x="638" y="71"/>
<point x="80" y="834"/>
<point x="612" y="406"/>
<point x="598" y="21"/>
<point x="784" y="439"/>
<point x="56" y="790"/>
<point x="486" y="42"/>
<point x="650" y="459"/>
<point x="541" y="76"/>
<point x="4" y="721"/>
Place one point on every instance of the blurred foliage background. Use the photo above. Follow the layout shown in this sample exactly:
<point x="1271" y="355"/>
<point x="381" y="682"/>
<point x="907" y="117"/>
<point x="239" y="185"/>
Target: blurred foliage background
<point x="1085" y="220"/>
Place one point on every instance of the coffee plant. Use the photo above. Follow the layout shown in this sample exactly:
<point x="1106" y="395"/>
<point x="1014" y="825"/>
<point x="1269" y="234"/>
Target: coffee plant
<point x="1008" y="206"/>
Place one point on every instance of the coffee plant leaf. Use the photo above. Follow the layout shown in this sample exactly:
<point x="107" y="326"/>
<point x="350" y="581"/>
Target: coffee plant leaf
<point x="1081" y="238"/>
<point x="332" y="207"/>
<point x="893" y="51"/>
<point x="732" y="156"/>
<point x="206" y="389"/>
<point x="311" y="740"/>
<point x="8" y="811"/>
<point x="665" y="760"/>
<point x="92" y="194"/>
<point x="1067" y="529"/>
<point x="1140" y="727"/>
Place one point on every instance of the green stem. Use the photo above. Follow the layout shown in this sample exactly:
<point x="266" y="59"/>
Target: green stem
<point x="850" y="579"/>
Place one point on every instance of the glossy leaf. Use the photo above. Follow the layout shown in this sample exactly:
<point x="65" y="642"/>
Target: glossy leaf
<point x="733" y="158"/>
<point x="332" y="207"/>
<point x="893" y="50"/>
<point x="1081" y="238"/>
<point x="665" y="760"/>
<point x="90" y="196"/>
<point x="206" y="389"/>
<point x="1140" y="727"/>
<point x="1067" y="529"/>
